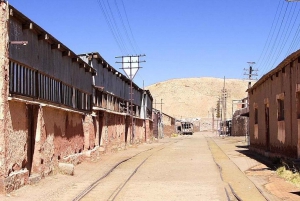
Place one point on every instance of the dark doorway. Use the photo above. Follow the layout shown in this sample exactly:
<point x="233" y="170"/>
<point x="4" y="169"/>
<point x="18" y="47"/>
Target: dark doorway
<point x="100" y="115"/>
<point x="127" y="124"/>
<point x="32" y="114"/>
<point x="267" y="123"/>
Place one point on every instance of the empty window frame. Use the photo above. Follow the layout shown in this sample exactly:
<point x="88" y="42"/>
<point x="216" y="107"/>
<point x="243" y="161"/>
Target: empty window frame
<point x="280" y="109"/>
<point x="298" y="104"/>
<point x="22" y="80"/>
<point x="256" y="115"/>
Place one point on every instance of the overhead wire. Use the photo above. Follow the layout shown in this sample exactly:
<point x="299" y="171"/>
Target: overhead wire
<point x="130" y="27"/>
<point x="124" y="27"/>
<point x="265" y="50"/>
<point x="296" y="41"/>
<point x="119" y="28"/>
<point x="267" y="41"/>
<point x="108" y="21"/>
<point x="116" y="26"/>
<point x="287" y="29"/>
<point x="293" y="43"/>
<point x="275" y="40"/>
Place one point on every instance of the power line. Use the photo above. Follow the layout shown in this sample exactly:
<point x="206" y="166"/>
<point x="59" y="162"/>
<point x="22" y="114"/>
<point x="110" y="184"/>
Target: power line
<point x="119" y="28"/>
<point x="272" y="31"/>
<point x="116" y="26"/>
<point x="124" y="27"/>
<point x="276" y="38"/>
<point x="107" y="19"/>
<point x="129" y="26"/>
<point x="285" y="37"/>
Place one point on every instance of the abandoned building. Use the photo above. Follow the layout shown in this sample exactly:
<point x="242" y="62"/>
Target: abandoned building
<point x="57" y="107"/>
<point x="240" y="126"/>
<point x="275" y="110"/>
<point x="163" y="124"/>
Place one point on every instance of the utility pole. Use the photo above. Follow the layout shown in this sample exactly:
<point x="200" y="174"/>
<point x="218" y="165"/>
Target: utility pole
<point x="161" y="117"/>
<point x="251" y="76"/>
<point x="224" y="100"/>
<point x="130" y="65"/>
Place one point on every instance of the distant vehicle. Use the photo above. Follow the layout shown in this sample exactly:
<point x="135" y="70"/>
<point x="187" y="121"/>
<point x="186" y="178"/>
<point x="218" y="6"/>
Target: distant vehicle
<point x="187" y="128"/>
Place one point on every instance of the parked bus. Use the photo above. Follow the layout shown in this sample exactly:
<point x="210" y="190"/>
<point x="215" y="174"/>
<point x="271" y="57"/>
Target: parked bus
<point x="187" y="128"/>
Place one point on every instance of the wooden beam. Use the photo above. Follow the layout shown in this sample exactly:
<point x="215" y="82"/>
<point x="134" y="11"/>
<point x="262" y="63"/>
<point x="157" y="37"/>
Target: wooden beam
<point x="66" y="53"/>
<point x="75" y="59"/>
<point x="27" y="26"/>
<point x="100" y="61"/>
<point x="82" y="65"/>
<point x="95" y="56"/>
<point x="43" y="37"/>
<point x="56" y="46"/>
<point x="11" y="12"/>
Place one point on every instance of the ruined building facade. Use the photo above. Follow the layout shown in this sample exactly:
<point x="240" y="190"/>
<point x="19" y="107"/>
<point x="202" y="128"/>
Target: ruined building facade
<point x="57" y="107"/>
<point x="274" y="108"/>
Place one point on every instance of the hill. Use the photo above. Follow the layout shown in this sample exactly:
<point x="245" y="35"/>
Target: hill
<point x="195" y="97"/>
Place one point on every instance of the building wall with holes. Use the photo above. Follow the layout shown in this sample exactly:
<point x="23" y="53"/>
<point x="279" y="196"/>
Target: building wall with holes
<point x="116" y="132"/>
<point x="46" y="106"/>
<point x="274" y="110"/>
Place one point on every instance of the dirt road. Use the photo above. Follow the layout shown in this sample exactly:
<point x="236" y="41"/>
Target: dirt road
<point x="198" y="167"/>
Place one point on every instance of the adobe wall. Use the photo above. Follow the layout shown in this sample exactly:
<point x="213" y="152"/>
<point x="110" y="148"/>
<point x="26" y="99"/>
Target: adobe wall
<point x="169" y="130"/>
<point x="149" y="131"/>
<point x="283" y="134"/>
<point x="113" y="131"/>
<point x="3" y="91"/>
<point x="38" y="138"/>
<point x="116" y="128"/>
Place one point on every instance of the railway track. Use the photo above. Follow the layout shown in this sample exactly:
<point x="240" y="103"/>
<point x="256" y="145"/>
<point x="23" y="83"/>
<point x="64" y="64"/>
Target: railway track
<point x="122" y="172"/>
<point x="230" y="191"/>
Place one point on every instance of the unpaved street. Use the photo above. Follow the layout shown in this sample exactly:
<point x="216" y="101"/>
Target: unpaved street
<point x="182" y="169"/>
<point x="198" y="167"/>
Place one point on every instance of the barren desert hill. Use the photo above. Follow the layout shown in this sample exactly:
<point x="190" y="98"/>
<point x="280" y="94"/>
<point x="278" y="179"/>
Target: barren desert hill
<point x="195" y="97"/>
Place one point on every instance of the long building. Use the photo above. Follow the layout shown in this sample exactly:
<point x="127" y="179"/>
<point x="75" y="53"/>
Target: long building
<point x="57" y="107"/>
<point x="274" y="108"/>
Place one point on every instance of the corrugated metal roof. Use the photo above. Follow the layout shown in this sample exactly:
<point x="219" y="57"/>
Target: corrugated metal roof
<point x="13" y="12"/>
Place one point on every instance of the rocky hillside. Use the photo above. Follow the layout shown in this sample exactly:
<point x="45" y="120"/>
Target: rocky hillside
<point x="195" y="97"/>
